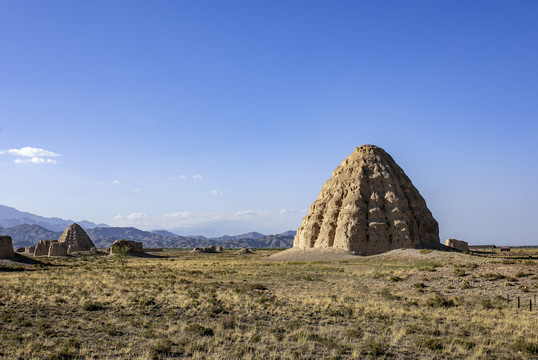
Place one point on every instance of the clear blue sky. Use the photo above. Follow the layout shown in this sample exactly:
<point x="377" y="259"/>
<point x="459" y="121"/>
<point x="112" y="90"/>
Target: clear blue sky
<point x="228" y="116"/>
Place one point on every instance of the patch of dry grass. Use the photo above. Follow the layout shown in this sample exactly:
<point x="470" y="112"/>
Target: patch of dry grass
<point x="225" y="306"/>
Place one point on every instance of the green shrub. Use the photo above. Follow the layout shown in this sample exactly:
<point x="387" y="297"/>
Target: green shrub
<point x="493" y="276"/>
<point x="439" y="301"/>
<point x="377" y="348"/>
<point x="531" y="348"/>
<point x="431" y="343"/>
<point x="459" y="272"/>
<point x="197" y="329"/>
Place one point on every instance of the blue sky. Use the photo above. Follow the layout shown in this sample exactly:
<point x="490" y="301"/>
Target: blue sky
<point x="228" y="116"/>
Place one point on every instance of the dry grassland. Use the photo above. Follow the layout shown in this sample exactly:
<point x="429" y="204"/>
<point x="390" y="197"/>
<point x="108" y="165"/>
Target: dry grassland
<point x="410" y="305"/>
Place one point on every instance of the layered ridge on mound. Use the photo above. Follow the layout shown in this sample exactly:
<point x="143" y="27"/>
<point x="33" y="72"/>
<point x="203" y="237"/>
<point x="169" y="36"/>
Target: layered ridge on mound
<point x="368" y="206"/>
<point x="76" y="239"/>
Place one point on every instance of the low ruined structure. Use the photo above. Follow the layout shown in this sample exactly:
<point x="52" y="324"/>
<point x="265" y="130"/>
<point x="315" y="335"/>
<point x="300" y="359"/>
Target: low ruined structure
<point x="29" y="250"/>
<point x="57" y="248"/>
<point x="76" y="239"/>
<point x="6" y="247"/>
<point x="135" y="247"/>
<point x="368" y="206"/>
<point x="42" y="247"/>
<point x="457" y="244"/>
<point x="210" y="249"/>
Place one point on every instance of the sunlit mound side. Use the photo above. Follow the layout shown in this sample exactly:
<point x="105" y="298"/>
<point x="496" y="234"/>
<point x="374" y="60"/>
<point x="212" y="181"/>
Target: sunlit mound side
<point x="368" y="206"/>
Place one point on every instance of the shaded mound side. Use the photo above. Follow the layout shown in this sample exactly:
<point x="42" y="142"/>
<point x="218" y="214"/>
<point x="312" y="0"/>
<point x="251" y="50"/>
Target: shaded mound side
<point x="295" y="254"/>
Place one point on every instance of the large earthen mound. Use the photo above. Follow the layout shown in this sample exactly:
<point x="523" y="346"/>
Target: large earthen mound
<point x="76" y="239"/>
<point x="368" y="206"/>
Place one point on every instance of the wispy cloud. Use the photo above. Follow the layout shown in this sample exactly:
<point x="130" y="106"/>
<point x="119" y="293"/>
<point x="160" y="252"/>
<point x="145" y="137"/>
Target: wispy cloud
<point x="31" y="155"/>
<point x="136" y="189"/>
<point x="113" y="182"/>
<point x="245" y="213"/>
<point x="216" y="192"/>
<point x="286" y="211"/>
<point x="197" y="177"/>
<point x="180" y="177"/>
<point x="132" y="216"/>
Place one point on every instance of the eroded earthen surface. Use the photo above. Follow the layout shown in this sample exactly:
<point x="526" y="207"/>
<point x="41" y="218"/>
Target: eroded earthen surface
<point x="368" y="206"/>
<point x="76" y="239"/>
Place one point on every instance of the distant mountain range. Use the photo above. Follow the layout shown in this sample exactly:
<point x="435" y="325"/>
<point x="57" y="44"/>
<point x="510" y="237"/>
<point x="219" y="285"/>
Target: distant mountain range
<point x="10" y="217"/>
<point x="27" y="229"/>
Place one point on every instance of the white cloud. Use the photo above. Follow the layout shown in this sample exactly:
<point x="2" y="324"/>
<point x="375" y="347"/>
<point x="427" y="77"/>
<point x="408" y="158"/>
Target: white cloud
<point x="286" y="211"/>
<point x="197" y="177"/>
<point x="180" y="177"/>
<point x="35" y="160"/>
<point x="32" y="152"/>
<point x="179" y="214"/>
<point x="113" y="182"/>
<point x="136" y="189"/>
<point x="216" y="192"/>
<point x="30" y="155"/>
<point x="131" y="216"/>
<point x="245" y="213"/>
<point x="137" y="215"/>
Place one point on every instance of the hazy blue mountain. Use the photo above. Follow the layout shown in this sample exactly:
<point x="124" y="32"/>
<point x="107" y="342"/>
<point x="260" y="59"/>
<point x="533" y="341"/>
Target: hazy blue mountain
<point x="164" y="233"/>
<point x="251" y="235"/>
<point x="289" y="233"/>
<point x="197" y="231"/>
<point x="27" y="229"/>
<point x="29" y="234"/>
<point x="10" y="217"/>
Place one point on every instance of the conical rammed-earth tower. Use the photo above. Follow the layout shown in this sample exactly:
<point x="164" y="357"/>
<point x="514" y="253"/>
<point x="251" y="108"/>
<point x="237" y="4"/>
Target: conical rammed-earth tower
<point x="76" y="239"/>
<point x="368" y="206"/>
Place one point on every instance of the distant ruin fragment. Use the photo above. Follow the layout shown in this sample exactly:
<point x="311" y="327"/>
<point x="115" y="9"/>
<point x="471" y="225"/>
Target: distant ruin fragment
<point x="6" y="247"/>
<point x="57" y="248"/>
<point x="135" y="247"/>
<point x="42" y="247"/>
<point x="76" y="239"/>
<point x="368" y="206"/>
<point x="457" y="244"/>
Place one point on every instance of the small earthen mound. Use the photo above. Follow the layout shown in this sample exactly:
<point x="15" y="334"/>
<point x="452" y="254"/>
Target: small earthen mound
<point x="313" y="255"/>
<point x="57" y="248"/>
<point x="135" y="247"/>
<point x="244" y="251"/>
<point x="42" y="247"/>
<point x="6" y="247"/>
<point x="208" y="250"/>
<point x="457" y="244"/>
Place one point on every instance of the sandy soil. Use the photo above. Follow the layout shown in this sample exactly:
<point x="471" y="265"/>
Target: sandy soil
<point x="312" y="255"/>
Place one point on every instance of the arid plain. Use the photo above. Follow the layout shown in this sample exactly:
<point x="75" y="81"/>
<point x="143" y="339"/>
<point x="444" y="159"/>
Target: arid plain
<point x="404" y="304"/>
